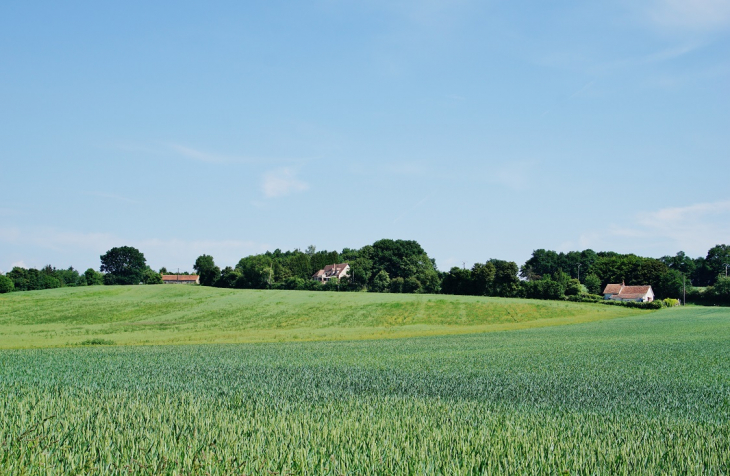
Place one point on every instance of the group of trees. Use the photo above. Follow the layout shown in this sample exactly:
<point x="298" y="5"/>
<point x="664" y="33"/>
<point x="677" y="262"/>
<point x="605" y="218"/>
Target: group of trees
<point x="403" y="266"/>
<point x="669" y="276"/>
<point x="127" y="265"/>
<point x="385" y="266"/>
<point x="22" y="279"/>
<point x="123" y="265"/>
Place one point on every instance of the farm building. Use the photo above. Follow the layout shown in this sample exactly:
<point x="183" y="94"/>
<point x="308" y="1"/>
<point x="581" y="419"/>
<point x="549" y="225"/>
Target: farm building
<point x="621" y="292"/>
<point x="180" y="279"/>
<point x="330" y="271"/>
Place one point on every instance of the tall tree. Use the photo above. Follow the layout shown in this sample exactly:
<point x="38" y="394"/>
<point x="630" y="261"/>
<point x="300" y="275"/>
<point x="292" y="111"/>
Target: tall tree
<point x="717" y="257"/>
<point x="6" y="284"/>
<point x="482" y="277"/>
<point x="123" y="265"/>
<point x="506" y="282"/>
<point x="207" y="270"/>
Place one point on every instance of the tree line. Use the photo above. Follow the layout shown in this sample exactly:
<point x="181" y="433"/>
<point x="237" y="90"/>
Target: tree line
<point x="403" y="266"/>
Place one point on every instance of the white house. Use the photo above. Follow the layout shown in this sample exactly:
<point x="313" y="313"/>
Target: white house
<point x="621" y="292"/>
<point x="330" y="271"/>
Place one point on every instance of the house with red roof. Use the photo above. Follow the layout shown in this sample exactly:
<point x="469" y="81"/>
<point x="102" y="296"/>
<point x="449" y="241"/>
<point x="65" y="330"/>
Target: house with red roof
<point x="330" y="271"/>
<point x="621" y="292"/>
<point x="180" y="279"/>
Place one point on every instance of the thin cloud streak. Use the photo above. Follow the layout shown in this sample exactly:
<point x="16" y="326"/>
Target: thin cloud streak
<point x="201" y="156"/>
<point x="215" y="158"/>
<point x="282" y="182"/>
<point x="414" y="207"/>
<point x="112" y="196"/>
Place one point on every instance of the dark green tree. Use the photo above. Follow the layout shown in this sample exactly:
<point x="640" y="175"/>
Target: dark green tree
<point x="717" y="257"/>
<point x="396" y="285"/>
<point x="593" y="283"/>
<point x="482" y="278"/>
<point x="381" y="282"/>
<point x="150" y="276"/>
<point x="411" y="285"/>
<point x="573" y="288"/>
<point x="721" y="289"/>
<point x="20" y="278"/>
<point x="207" y="270"/>
<point x="457" y="281"/>
<point x="506" y="282"/>
<point x="229" y="277"/>
<point x="6" y="284"/>
<point x="93" y="277"/>
<point x="670" y="285"/>
<point x="123" y="265"/>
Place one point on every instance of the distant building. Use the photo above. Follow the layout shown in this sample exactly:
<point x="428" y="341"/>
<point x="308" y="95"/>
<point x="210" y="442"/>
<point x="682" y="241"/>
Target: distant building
<point x="330" y="271"/>
<point x="621" y="292"/>
<point x="180" y="279"/>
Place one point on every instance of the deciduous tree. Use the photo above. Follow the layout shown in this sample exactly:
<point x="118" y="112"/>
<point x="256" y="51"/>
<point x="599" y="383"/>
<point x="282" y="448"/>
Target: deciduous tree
<point x="123" y="265"/>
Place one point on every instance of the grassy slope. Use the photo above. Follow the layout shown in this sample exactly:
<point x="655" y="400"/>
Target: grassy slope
<point x="193" y="314"/>
<point x="648" y="394"/>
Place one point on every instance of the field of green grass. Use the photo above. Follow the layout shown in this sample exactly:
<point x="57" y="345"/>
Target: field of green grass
<point x="645" y="394"/>
<point x="195" y="314"/>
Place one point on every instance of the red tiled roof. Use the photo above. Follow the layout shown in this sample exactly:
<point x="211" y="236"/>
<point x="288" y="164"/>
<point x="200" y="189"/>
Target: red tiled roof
<point x="179" y="277"/>
<point x="630" y="296"/>
<point x="622" y="291"/>
<point x="635" y="290"/>
<point x="612" y="289"/>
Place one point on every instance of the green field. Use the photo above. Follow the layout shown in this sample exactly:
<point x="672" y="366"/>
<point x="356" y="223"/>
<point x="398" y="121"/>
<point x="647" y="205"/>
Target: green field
<point x="195" y="314"/>
<point x="647" y="393"/>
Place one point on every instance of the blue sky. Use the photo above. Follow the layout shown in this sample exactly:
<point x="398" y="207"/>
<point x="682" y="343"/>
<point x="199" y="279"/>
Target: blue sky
<point x="480" y="129"/>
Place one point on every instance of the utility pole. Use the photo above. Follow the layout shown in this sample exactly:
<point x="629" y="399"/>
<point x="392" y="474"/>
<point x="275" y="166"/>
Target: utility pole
<point x="684" y="290"/>
<point x="726" y="265"/>
<point x="578" y="272"/>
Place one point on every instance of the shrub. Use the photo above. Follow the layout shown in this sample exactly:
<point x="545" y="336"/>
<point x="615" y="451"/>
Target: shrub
<point x="396" y="285"/>
<point x="593" y="283"/>
<point x="412" y="285"/>
<point x="93" y="277"/>
<point x="573" y="288"/>
<point x="98" y="341"/>
<point x="6" y="285"/>
<point x="150" y="276"/>
<point x="381" y="282"/>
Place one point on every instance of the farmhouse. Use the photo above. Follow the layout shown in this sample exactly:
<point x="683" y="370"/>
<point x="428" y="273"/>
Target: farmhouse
<point x="180" y="279"/>
<point x="330" y="271"/>
<point x="621" y="292"/>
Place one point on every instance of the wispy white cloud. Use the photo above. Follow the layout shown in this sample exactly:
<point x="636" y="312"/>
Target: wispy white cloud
<point x="687" y="14"/>
<point x="416" y="205"/>
<point x="7" y="212"/>
<point x="216" y="158"/>
<point x="55" y="239"/>
<point x="163" y="252"/>
<point x="693" y="229"/>
<point x="516" y="175"/>
<point x="112" y="196"/>
<point x="202" y="156"/>
<point x="281" y="182"/>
